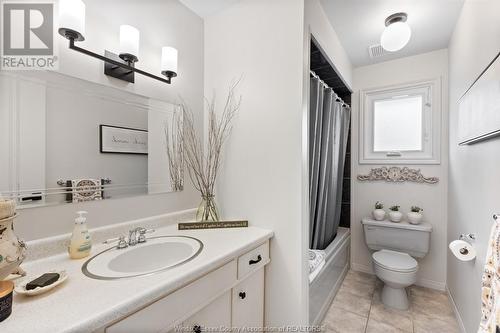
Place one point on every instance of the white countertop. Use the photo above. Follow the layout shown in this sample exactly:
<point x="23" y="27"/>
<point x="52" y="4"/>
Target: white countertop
<point x="82" y="304"/>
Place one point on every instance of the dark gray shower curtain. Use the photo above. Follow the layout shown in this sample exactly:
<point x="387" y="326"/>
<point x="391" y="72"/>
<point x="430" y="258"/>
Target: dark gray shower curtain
<point x="328" y="134"/>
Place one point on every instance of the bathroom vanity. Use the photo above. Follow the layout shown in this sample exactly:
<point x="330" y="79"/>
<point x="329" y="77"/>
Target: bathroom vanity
<point x="230" y="295"/>
<point x="222" y="287"/>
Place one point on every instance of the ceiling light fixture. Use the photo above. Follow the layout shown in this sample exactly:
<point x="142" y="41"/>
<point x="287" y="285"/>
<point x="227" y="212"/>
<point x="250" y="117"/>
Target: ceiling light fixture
<point x="121" y="66"/>
<point x="397" y="32"/>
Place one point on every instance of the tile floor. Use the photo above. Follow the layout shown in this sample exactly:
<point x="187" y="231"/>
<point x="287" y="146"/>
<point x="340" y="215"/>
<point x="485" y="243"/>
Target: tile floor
<point x="357" y="308"/>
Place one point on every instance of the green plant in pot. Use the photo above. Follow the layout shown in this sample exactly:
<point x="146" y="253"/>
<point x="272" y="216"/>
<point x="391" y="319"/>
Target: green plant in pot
<point x="415" y="215"/>
<point x="379" y="212"/>
<point x="394" y="214"/>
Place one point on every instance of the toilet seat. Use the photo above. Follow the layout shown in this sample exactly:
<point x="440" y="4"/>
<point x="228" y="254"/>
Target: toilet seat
<point x="395" y="261"/>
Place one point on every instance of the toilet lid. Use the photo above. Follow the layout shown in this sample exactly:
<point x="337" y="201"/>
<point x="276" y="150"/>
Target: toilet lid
<point x="395" y="261"/>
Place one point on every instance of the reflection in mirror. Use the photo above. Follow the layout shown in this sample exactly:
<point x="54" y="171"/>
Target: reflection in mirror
<point x="63" y="139"/>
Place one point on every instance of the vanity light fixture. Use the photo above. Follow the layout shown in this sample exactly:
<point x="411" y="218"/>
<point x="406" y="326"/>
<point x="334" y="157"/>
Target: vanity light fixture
<point x="129" y="43"/>
<point x="168" y="61"/>
<point x="122" y="66"/>
<point x="397" y="32"/>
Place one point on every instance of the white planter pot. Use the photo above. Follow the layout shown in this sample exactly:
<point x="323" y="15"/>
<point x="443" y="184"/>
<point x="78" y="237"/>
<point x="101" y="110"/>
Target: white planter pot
<point x="395" y="216"/>
<point x="415" y="218"/>
<point x="379" y="214"/>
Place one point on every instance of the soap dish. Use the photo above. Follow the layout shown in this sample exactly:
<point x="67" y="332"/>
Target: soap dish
<point x="21" y="285"/>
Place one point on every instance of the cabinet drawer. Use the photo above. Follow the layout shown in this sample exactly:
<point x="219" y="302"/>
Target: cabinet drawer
<point x="164" y="313"/>
<point x="253" y="260"/>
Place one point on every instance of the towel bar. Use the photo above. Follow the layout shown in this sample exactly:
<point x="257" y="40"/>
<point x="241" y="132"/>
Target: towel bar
<point x="104" y="181"/>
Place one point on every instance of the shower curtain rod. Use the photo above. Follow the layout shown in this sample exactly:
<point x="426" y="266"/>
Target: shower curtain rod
<point x="327" y="86"/>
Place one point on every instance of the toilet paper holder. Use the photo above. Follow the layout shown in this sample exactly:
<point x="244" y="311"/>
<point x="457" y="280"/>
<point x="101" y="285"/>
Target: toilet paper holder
<point x="467" y="237"/>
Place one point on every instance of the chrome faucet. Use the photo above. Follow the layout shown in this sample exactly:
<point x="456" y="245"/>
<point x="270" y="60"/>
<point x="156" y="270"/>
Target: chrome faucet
<point x="133" y="238"/>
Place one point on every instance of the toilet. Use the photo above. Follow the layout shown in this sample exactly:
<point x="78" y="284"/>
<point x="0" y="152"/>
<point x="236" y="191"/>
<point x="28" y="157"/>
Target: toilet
<point x="395" y="246"/>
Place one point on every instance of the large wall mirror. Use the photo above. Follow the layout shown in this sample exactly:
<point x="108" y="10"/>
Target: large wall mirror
<point x="64" y="140"/>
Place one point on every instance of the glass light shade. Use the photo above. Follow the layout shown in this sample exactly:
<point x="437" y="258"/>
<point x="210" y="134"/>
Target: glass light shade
<point x="168" y="59"/>
<point x="395" y="36"/>
<point x="129" y="40"/>
<point x="72" y="16"/>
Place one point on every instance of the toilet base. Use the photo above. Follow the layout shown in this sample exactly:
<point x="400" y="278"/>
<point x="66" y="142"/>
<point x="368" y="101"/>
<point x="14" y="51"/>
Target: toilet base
<point x="396" y="298"/>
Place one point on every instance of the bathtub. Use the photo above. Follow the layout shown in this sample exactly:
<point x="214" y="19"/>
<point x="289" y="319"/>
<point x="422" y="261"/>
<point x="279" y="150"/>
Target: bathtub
<point x="324" y="287"/>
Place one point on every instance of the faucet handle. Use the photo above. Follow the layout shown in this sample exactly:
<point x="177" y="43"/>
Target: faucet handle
<point x="122" y="243"/>
<point x="142" y="234"/>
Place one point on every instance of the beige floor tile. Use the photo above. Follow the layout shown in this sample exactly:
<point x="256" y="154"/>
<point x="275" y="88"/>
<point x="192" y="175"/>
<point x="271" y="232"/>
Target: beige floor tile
<point x="379" y="284"/>
<point x="421" y="292"/>
<point x="427" y="324"/>
<point x="361" y="277"/>
<point x="430" y="310"/>
<point x="433" y="306"/>
<point x="396" y="318"/>
<point x="353" y="303"/>
<point x="361" y="289"/>
<point x="375" y="326"/>
<point x="342" y="321"/>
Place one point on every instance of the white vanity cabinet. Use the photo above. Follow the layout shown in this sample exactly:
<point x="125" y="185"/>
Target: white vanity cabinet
<point x="229" y="296"/>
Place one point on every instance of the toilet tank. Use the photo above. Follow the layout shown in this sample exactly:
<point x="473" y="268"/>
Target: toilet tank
<point x="402" y="236"/>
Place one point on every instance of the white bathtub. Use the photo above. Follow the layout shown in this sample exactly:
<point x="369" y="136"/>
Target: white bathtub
<point x="324" y="287"/>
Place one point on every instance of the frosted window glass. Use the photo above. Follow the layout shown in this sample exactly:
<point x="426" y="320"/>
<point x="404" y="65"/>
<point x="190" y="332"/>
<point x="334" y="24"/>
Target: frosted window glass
<point x="397" y="124"/>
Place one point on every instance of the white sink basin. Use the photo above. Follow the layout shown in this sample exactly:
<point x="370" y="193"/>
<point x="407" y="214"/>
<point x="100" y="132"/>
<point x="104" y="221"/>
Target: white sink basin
<point x="156" y="255"/>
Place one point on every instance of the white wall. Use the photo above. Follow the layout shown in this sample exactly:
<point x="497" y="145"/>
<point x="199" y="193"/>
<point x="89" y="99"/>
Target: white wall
<point x="161" y="22"/>
<point x="318" y="24"/>
<point x="432" y="198"/>
<point x="474" y="171"/>
<point x="261" y="175"/>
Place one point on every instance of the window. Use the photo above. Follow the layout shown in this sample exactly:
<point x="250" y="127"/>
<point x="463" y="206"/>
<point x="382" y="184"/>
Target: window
<point x="401" y="124"/>
<point x="407" y="135"/>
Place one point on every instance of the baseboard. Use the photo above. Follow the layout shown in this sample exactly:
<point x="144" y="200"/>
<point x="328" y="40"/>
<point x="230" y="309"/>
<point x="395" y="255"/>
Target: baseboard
<point x="460" y="322"/>
<point x="426" y="283"/>
<point x="431" y="284"/>
<point x="362" y="268"/>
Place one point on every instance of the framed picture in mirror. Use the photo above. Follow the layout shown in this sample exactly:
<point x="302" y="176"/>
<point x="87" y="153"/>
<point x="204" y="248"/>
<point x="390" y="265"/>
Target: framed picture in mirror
<point x="123" y="140"/>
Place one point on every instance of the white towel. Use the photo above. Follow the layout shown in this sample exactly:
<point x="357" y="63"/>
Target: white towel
<point x="86" y="189"/>
<point x="490" y="295"/>
<point x="315" y="259"/>
<point x="316" y="263"/>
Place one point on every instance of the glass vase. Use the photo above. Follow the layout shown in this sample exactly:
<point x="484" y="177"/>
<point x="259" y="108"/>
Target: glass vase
<point x="207" y="210"/>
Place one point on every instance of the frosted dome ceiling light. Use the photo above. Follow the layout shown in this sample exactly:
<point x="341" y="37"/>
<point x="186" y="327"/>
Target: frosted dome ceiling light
<point x="397" y="32"/>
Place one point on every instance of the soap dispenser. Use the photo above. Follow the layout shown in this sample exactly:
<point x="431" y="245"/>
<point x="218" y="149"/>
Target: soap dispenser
<point x="80" y="243"/>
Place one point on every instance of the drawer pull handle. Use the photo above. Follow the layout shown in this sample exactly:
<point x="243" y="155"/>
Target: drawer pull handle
<point x="197" y="329"/>
<point x="253" y="262"/>
<point x="242" y="295"/>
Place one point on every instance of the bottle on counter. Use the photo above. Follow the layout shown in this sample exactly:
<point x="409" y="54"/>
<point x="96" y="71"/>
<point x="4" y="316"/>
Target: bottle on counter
<point x="80" y="243"/>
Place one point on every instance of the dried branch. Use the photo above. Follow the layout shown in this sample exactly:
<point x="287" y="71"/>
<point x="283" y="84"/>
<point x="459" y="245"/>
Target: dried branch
<point x="175" y="150"/>
<point x="203" y="166"/>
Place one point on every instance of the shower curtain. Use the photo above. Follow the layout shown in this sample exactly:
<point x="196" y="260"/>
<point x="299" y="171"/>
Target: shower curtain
<point x="328" y="134"/>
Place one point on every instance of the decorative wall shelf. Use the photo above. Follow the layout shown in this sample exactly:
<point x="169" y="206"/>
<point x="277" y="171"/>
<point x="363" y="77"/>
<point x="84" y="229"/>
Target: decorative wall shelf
<point x="397" y="175"/>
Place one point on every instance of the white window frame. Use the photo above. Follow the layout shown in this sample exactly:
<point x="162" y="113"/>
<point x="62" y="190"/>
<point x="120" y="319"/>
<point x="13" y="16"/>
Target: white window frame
<point x="431" y="124"/>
